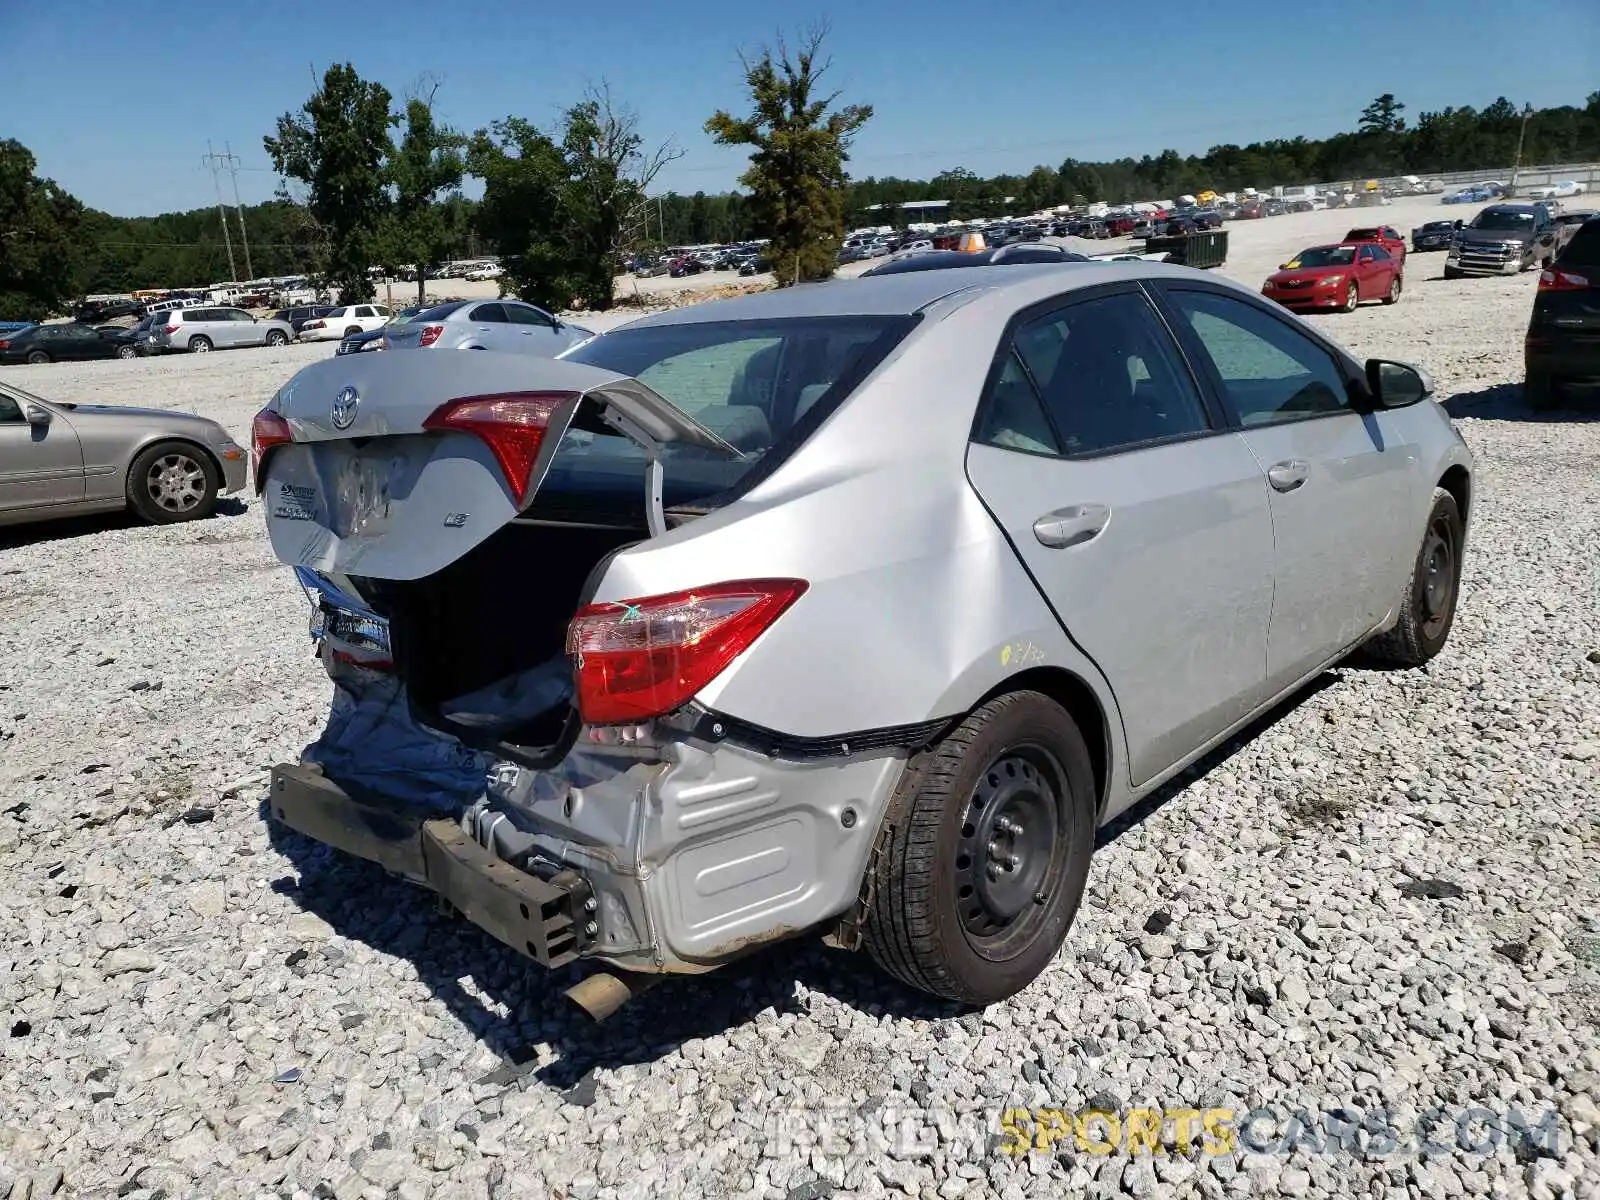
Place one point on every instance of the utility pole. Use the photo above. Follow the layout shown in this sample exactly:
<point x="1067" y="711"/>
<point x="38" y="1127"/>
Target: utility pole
<point x="213" y="160"/>
<point x="232" y="161"/>
<point x="1516" y="167"/>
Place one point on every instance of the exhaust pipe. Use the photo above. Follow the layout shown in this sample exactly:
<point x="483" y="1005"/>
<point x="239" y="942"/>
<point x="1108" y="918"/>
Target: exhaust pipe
<point x="603" y="993"/>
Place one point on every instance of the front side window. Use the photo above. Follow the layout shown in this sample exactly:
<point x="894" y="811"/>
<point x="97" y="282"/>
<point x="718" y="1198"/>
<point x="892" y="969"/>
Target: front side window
<point x="1269" y="371"/>
<point x="10" y="410"/>
<point x="522" y="314"/>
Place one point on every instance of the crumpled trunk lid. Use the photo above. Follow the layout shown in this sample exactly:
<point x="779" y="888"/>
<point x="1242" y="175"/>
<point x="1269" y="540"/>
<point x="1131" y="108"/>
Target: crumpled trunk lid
<point x="364" y="489"/>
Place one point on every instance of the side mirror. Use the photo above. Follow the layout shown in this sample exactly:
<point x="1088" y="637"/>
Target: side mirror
<point x="1397" y="384"/>
<point x="1283" y="266"/>
<point x="36" y="415"/>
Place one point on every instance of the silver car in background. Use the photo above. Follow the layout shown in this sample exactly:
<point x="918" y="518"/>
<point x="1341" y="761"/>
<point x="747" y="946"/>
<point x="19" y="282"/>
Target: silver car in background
<point x="198" y="330"/>
<point x="508" y="325"/>
<point x="64" y="460"/>
<point x="852" y="608"/>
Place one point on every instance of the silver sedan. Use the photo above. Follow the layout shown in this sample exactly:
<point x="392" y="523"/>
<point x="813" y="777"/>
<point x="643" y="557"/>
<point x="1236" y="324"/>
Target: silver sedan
<point x="64" y="460"/>
<point x="508" y="325"/>
<point x="852" y="608"/>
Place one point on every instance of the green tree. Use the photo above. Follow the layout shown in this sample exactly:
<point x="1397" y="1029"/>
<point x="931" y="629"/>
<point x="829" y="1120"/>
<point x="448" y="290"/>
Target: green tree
<point x="607" y="173"/>
<point x="40" y="250"/>
<point x="425" y="171"/>
<point x="338" y="147"/>
<point x="1382" y="116"/>
<point x="800" y="145"/>
<point x="524" y="175"/>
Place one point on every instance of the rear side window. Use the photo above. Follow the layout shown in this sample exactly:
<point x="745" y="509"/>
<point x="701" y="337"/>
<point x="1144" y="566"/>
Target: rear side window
<point x="761" y="385"/>
<point x="1583" y="249"/>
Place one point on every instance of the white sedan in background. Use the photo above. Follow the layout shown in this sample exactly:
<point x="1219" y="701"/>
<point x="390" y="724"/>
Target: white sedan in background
<point x="343" y="322"/>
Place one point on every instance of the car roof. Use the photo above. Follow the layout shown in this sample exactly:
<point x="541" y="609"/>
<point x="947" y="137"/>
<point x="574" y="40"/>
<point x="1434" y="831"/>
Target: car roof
<point x="907" y="293"/>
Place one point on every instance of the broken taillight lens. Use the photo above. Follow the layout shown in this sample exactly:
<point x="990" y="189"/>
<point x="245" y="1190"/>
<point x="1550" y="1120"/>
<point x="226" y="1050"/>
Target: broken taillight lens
<point x="639" y="659"/>
<point x="430" y="335"/>
<point x="269" y="429"/>
<point x="511" y="424"/>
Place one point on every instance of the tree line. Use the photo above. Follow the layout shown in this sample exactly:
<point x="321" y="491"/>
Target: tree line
<point x="372" y="181"/>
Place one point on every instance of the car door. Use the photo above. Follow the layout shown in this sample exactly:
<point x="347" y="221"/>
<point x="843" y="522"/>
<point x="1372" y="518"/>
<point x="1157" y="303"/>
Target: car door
<point x="534" y="329"/>
<point x="244" y="329"/>
<point x="40" y="465"/>
<point x="1142" y="519"/>
<point x="1367" y="272"/>
<point x="1340" y="482"/>
<point x="489" y="327"/>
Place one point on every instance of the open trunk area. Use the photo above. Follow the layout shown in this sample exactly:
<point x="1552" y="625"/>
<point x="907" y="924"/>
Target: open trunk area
<point x="480" y="645"/>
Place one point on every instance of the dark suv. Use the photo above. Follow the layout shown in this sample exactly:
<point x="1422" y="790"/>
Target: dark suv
<point x="93" y="312"/>
<point x="1563" y="342"/>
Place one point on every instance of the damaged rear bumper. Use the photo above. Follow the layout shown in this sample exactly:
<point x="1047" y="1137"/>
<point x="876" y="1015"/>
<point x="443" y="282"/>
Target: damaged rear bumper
<point x="544" y="919"/>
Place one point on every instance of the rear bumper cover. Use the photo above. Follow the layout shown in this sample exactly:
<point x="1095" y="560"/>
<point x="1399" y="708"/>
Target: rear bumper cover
<point x="543" y="919"/>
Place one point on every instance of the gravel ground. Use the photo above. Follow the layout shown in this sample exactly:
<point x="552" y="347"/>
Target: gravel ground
<point x="1383" y="900"/>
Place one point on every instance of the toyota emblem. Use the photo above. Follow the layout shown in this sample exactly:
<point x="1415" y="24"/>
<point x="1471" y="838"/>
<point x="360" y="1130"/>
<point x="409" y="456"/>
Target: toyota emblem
<point x="344" y="408"/>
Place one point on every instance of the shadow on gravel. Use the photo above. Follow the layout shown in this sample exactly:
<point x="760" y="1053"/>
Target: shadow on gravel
<point x="1210" y="762"/>
<point x="16" y="536"/>
<point x="474" y="976"/>
<point x="1504" y="402"/>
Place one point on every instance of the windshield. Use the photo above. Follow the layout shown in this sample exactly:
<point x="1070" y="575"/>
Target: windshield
<point x="761" y="385"/>
<point x="1323" y="256"/>
<point x="1503" y="218"/>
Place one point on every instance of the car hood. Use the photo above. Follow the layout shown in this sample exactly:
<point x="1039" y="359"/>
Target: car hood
<point x="1482" y="236"/>
<point x="125" y="412"/>
<point x="1308" y="274"/>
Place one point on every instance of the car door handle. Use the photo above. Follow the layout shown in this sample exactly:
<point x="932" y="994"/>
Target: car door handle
<point x="1287" y="475"/>
<point x="1071" y="526"/>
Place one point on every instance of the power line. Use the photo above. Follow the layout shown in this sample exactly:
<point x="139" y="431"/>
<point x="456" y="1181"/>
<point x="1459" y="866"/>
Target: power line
<point x="238" y="207"/>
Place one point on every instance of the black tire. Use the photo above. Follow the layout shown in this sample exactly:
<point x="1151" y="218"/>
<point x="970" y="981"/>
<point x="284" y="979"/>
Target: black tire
<point x="352" y="331"/>
<point x="1393" y="294"/>
<point x="199" y="345"/>
<point x="127" y="352"/>
<point x="1540" y="391"/>
<point x="276" y="337"/>
<point x="1451" y="273"/>
<point x="38" y="356"/>
<point x="171" y="482"/>
<point x="1352" y="298"/>
<point x="1428" y="607"/>
<point x="944" y="916"/>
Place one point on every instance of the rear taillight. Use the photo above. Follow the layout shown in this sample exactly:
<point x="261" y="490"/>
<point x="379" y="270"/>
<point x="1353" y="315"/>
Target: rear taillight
<point x="4" y="344"/>
<point x="1554" y="279"/>
<point x="170" y="328"/>
<point x="430" y="334"/>
<point x="313" y="325"/>
<point x="269" y="429"/>
<point x="639" y="659"/>
<point x="511" y="424"/>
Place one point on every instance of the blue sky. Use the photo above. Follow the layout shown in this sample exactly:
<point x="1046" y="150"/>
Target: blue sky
<point x="117" y="99"/>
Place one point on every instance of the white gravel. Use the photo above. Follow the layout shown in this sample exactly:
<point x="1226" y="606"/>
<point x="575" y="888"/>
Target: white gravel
<point x="197" y="1007"/>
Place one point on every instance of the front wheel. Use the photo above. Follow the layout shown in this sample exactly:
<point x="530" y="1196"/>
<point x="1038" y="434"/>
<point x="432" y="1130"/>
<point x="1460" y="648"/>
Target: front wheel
<point x="1393" y="295"/>
<point x="987" y="849"/>
<point x="171" y="482"/>
<point x="1428" y="605"/>
<point x="1352" y="297"/>
<point x="127" y="352"/>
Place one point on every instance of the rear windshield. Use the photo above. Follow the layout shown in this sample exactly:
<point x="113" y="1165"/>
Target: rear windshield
<point x="762" y="385"/>
<point x="438" y="312"/>
<point x="1584" y="248"/>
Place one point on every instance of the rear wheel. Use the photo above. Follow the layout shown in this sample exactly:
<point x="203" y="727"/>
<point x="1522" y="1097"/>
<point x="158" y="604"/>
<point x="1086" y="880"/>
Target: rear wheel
<point x="352" y="331"/>
<point x="988" y="844"/>
<point x="276" y="337"/>
<point x="1428" y="606"/>
<point x="38" y="356"/>
<point x="171" y="482"/>
<point x="200" y="345"/>
<point x="1352" y="297"/>
<point x="1393" y="295"/>
<point x="1539" y="390"/>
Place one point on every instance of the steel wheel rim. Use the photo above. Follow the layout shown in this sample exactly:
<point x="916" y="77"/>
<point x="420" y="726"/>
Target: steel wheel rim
<point x="176" y="483"/>
<point x="1009" y="851"/>
<point x="1438" y="576"/>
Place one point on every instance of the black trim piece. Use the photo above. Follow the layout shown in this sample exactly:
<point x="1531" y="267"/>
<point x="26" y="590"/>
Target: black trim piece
<point x="716" y="728"/>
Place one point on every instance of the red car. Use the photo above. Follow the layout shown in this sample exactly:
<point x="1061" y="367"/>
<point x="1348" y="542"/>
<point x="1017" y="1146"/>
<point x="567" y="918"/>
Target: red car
<point x="1386" y="236"/>
<point x="1340" y="276"/>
